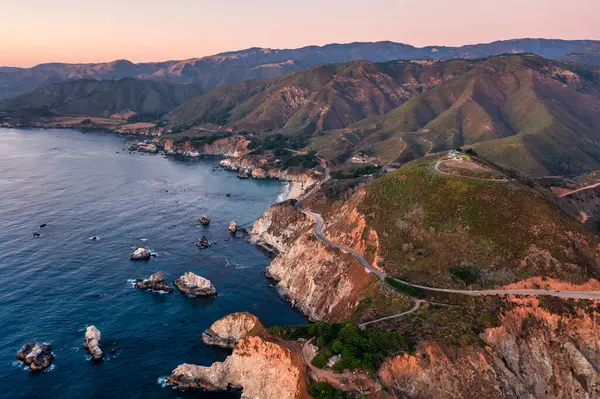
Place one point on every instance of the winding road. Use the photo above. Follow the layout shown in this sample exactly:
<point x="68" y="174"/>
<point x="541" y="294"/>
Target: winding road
<point x="318" y="232"/>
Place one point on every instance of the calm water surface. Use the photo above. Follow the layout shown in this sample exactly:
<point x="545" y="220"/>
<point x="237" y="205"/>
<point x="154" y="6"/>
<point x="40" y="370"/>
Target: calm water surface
<point x="53" y="286"/>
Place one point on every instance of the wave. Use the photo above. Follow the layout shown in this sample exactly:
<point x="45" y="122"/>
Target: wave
<point x="162" y="381"/>
<point x="286" y="191"/>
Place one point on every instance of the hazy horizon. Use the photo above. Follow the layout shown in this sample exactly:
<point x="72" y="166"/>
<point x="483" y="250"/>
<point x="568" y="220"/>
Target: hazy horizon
<point x="283" y="48"/>
<point x="34" y="31"/>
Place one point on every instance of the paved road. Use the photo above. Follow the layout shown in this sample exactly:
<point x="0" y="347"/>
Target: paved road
<point x="318" y="231"/>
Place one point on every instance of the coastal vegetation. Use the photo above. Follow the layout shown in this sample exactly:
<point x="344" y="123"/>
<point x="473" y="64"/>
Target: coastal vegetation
<point x="358" y="348"/>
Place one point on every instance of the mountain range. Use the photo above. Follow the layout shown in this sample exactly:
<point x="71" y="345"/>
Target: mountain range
<point x="537" y="115"/>
<point x="260" y="63"/>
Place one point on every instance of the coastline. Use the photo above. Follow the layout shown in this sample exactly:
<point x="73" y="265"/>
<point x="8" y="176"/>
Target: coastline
<point x="292" y="190"/>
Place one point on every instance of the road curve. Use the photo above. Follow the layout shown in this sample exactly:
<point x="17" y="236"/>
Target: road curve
<point x="416" y="306"/>
<point x="318" y="232"/>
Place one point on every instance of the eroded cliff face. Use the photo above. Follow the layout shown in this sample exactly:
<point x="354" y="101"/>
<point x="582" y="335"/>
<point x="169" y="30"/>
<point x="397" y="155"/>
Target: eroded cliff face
<point x="550" y="351"/>
<point x="261" y="369"/>
<point x="587" y="206"/>
<point x="233" y="146"/>
<point x="261" y="169"/>
<point x="229" y="330"/>
<point x="322" y="282"/>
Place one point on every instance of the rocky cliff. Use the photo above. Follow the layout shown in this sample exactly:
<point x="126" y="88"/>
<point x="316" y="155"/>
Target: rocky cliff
<point x="233" y="146"/>
<point x="229" y="330"/>
<point x="540" y="350"/>
<point x="260" y="168"/>
<point x="322" y="282"/>
<point x="261" y="369"/>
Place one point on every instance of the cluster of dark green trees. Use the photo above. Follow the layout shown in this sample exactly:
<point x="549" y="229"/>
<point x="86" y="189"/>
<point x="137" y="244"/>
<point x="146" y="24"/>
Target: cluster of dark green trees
<point x="359" y="349"/>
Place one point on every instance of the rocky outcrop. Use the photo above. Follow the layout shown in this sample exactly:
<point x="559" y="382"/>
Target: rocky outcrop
<point x="203" y="242"/>
<point x="534" y="353"/>
<point x="204" y="221"/>
<point x="144" y="147"/>
<point x="140" y="254"/>
<point x="193" y="285"/>
<point x="260" y="169"/>
<point x="259" y="173"/>
<point x="92" y="342"/>
<point x="233" y="146"/>
<point x="229" y="330"/>
<point x="233" y="227"/>
<point x="38" y="356"/>
<point x="156" y="282"/>
<point x="322" y="282"/>
<point x="279" y="227"/>
<point x="261" y="369"/>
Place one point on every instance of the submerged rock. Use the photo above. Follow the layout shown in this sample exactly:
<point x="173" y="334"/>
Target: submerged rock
<point x="227" y="331"/>
<point x="233" y="227"/>
<point x="203" y="242"/>
<point x="140" y="254"/>
<point x="194" y="285"/>
<point x="36" y="234"/>
<point x="92" y="342"/>
<point x="242" y="175"/>
<point x="204" y="221"/>
<point x="38" y="357"/>
<point x="155" y="282"/>
<point x="262" y="369"/>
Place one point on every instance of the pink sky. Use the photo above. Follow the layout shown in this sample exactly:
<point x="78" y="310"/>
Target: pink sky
<point x="36" y="31"/>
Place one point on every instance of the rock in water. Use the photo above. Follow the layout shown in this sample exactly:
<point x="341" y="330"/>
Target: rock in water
<point x="92" y="342"/>
<point x="204" y="221"/>
<point x="227" y="331"/>
<point x="140" y="254"/>
<point x="38" y="357"/>
<point x="233" y="227"/>
<point x="155" y="282"/>
<point x="262" y="369"/>
<point x="194" y="285"/>
<point x="203" y="242"/>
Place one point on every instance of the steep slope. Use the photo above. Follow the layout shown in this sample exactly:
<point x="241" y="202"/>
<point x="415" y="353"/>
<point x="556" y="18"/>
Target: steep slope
<point x="536" y="115"/>
<point x="260" y="63"/>
<point x="447" y="230"/>
<point x="105" y="98"/>
<point x="322" y="98"/>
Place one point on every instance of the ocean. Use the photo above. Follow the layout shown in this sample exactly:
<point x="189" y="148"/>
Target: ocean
<point x="82" y="185"/>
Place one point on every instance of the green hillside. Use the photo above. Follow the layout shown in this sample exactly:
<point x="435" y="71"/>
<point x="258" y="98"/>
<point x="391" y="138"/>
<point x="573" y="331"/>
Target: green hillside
<point x="444" y="230"/>
<point x="149" y="99"/>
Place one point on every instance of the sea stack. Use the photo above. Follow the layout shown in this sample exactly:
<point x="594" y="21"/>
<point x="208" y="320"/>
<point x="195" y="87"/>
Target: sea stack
<point x="204" y="221"/>
<point x="92" y="342"/>
<point x="193" y="285"/>
<point x="156" y="282"/>
<point x="203" y="242"/>
<point x="38" y="357"/>
<point x="233" y="227"/>
<point x="140" y="254"/>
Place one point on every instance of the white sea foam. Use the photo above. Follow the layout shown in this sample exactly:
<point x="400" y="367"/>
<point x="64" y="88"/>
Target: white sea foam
<point x="143" y="239"/>
<point x="286" y="191"/>
<point x="131" y="282"/>
<point x="49" y="369"/>
<point x="162" y="381"/>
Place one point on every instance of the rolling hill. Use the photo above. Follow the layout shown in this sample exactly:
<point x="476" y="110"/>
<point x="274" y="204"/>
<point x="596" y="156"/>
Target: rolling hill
<point x="260" y="63"/>
<point x="521" y="111"/>
<point x="144" y="98"/>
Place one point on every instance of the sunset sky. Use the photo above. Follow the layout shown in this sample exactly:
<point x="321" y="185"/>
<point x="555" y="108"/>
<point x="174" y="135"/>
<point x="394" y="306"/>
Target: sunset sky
<point x="36" y="31"/>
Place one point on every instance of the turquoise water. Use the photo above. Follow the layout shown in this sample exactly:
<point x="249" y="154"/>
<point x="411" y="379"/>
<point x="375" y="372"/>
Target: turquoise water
<point x="53" y="286"/>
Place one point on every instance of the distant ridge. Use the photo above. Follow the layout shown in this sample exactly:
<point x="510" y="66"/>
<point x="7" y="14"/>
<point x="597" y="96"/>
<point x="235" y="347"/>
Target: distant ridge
<point x="262" y="63"/>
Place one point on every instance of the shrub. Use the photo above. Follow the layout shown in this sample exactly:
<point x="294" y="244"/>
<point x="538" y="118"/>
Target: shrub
<point x="405" y="288"/>
<point x="322" y="390"/>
